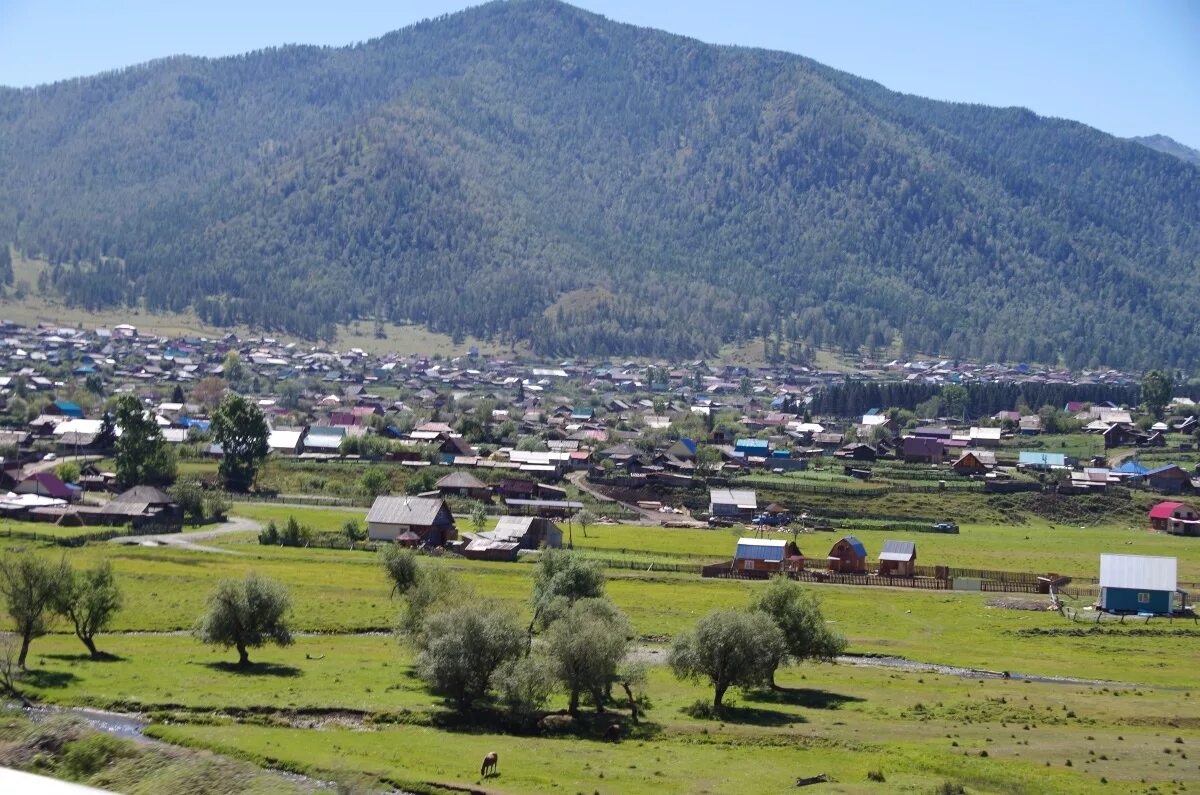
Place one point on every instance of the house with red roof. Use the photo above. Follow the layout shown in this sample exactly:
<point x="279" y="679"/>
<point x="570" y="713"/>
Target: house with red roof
<point x="1177" y="518"/>
<point x="47" y="484"/>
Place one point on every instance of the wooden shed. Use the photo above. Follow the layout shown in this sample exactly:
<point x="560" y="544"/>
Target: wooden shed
<point x="898" y="558"/>
<point x="848" y="556"/>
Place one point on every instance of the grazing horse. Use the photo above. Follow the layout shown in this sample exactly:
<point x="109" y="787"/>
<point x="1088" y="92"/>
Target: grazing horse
<point x="490" y="763"/>
<point x="613" y="733"/>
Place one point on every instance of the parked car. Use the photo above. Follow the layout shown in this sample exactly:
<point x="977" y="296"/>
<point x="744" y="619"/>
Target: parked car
<point x="49" y="457"/>
<point x="945" y="527"/>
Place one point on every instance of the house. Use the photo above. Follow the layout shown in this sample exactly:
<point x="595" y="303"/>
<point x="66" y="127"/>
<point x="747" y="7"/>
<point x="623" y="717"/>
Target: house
<point x="985" y="437"/>
<point x="1030" y="425"/>
<point x="464" y="484"/>
<point x="65" y="408"/>
<point x="1119" y="436"/>
<point x="933" y="432"/>
<point x="858" y="452"/>
<point x="898" y="558"/>
<point x="848" y="556"/>
<point x="975" y="462"/>
<point x="421" y="521"/>
<point x="47" y="484"/>
<point x="1137" y="584"/>
<point x="324" y="439"/>
<point x="515" y="488"/>
<point x="921" y="450"/>
<point x="512" y="534"/>
<point x="732" y="503"/>
<point x="1177" y="518"/>
<point x="286" y="441"/>
<point x="1169" y="479"/>
<point x="141" y="504"/>
<point x="766" y="554"/>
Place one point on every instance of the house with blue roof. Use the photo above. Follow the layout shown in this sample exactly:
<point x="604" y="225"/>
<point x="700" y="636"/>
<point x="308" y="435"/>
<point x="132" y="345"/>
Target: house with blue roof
<point x="1131" y="468"/>
<point x="65" y="408"/>
<point x="1169" y="479"/>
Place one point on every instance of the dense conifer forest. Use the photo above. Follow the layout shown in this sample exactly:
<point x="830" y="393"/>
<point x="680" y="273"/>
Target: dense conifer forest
<point x="530" y="171"/>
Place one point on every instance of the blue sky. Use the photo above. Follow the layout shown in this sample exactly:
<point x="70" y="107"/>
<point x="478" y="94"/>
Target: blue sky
<point x="1126" y="67"/>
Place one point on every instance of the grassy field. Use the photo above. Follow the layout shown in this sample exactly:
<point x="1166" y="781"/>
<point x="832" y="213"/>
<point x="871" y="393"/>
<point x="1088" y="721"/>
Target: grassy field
<point x="343" y="700"/>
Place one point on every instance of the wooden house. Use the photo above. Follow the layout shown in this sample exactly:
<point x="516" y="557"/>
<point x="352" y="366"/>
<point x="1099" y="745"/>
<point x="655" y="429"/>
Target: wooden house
<point x="898" y="558"/>
<point x="732" y="503"/>
<point x="766" y="554"/>
<point x="848" y="556"/>
<point x="511" y="535"/>
<point x="975" y="462"/>
<point x="464" y="484"/>
<point x="1169" y="479"/>
<point x="921" y="450"/>
<point x="1137" y="584"/>
<point x="1177" y="518"/>
<point x="428" y="519"/>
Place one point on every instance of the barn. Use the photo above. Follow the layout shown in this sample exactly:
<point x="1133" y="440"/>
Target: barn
<point x="766" y="554"/>
<point x="898" y="558"/>
<point x="391" y="518"/>
<point x="1137" y="584"/>
<point x="848" y="556"/>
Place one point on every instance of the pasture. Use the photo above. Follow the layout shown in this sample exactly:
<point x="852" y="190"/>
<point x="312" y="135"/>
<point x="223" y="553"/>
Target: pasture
<point x="343" y="701"/>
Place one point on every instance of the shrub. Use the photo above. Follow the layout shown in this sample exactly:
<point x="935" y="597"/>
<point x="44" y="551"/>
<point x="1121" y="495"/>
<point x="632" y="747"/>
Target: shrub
<point x="877" y="776"/>
<point x="84" y="758"/>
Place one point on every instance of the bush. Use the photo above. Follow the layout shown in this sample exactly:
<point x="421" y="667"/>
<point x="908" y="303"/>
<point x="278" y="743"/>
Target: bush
<point x="877" y="776"/>
<point x="84" y="758"/>
<point x="269" y="535"/>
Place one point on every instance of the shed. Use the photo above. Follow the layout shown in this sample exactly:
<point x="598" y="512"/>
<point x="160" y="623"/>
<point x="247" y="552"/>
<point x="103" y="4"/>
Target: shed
<point x="898" y="558"/>
<point x="1169" y="479"/>
<point x="1137" y="584"/>
<point x="766" y="554"/>
<point x="848" y="556"/>
<point x="512" y="534"/>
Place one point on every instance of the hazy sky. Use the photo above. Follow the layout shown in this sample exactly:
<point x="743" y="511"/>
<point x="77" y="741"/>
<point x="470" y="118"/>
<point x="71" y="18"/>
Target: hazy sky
<point x="1129" y="68"/>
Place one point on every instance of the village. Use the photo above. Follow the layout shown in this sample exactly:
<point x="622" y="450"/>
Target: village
<point x="1064" y="506"/>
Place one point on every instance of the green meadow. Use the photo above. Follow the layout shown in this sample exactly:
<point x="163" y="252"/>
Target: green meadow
<point x="343" y="701"/>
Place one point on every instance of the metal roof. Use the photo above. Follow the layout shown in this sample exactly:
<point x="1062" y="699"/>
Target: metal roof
<point x="903" y="551"/>
<point x="1140" y="572"/>
<point x="740" y="498"/>
<point x="420" y="511"/>
<point x="761" y="549"/>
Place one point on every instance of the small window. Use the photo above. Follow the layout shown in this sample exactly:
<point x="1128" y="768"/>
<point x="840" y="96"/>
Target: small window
<point x="1143" y="598"/>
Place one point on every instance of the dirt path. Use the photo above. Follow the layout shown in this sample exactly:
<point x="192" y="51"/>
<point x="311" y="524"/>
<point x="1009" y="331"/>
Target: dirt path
<point x="579" y="479"/>
<point x="187" y="540"/>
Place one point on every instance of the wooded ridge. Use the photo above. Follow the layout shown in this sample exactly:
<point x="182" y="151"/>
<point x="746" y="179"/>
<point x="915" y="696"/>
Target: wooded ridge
<point x="531" y="171"/>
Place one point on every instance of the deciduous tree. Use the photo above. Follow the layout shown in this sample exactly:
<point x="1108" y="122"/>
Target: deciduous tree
<point x="246" y="614"/>
<point x="89" y="599"/>
<point x="729" y="648"/>
<point x="238" y="425"/>
<point x="30" y="587"/>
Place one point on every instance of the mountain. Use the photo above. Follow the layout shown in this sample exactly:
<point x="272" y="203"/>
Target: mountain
<point x="1170" y="146"/>
<point x="527" y="170"/>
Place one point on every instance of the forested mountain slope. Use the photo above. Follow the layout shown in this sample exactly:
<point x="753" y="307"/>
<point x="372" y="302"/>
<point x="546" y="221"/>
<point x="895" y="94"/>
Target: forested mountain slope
<point x="528" y="170"/>
<point x="1170" y="146"/>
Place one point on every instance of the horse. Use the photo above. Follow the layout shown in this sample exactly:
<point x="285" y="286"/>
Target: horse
<point x="490" y="763"/>
<point x="613" y="733"/>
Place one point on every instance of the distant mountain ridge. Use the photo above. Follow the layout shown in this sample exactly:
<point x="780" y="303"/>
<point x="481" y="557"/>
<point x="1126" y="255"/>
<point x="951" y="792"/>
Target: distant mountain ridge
<point x="1170" y="146"/>
<point x="528" y="170"/>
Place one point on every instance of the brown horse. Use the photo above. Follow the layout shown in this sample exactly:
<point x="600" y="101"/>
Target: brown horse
<point x="490" y="763"/>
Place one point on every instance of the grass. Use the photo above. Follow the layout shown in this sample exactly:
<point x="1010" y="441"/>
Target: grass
<point x="918" y="729"/>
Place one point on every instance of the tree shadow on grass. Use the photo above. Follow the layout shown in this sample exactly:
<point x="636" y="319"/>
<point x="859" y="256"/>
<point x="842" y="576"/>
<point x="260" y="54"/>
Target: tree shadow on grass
<point x="43" y="679"/>
<point x="85" y="657"/>
<point x="254" y="669"/>
<point x="803" y="697"/>
<point x="754" y="716"/>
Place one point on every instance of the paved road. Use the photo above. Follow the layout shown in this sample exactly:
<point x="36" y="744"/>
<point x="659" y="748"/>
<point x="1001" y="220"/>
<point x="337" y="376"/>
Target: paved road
<point x="187" y="540"/>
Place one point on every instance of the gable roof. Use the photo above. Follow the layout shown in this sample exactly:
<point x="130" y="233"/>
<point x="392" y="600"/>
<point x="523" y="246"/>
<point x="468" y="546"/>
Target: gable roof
<point x="855" y="545"/>
<point x="145" y="495"/>
<point x="420" y="511"/>
<point x="761" y="549"/>
<point x="903" y="551"/>
<point x="461" y="480"/>
<point x="1140" y="572"/>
